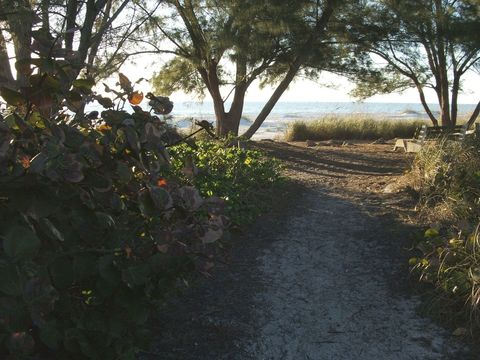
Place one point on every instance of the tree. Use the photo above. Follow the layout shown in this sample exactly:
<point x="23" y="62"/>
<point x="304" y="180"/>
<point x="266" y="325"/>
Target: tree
<point x="74" y="30"/>
<point x="422" y="44"/>
<point x="232" y="43"/>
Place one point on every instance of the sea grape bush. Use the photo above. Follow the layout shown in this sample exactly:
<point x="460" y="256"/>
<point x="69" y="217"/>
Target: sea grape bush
<point x="93" y="234"/>
<point x="241" y="177"/>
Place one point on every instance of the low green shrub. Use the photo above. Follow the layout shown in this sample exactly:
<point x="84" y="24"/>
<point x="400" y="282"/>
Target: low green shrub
<point x="350" y="128"/>
<point x="93" y="233"/>
<point x="242" y="178"/>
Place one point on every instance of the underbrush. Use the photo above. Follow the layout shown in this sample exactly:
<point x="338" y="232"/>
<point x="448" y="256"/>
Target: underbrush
<point x="447" y="179"/>
<point x="98" y="221"/>
<point x="243" y="178"/>
<point x="351" y="128"/>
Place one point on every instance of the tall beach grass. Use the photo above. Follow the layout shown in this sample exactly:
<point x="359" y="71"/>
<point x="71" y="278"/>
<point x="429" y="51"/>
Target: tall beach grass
<point x="446" y="176"/>
<point x="351" y="128"/>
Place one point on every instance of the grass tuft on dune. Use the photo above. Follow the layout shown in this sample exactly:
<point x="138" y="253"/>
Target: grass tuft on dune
<point x="351" y="128"/>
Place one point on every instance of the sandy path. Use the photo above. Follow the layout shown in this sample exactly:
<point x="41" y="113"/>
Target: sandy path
<point x="322" y="278"/>
<point x="327" y="292"/>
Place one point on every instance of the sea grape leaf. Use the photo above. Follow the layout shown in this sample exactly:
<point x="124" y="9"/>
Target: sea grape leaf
<point x="12" y="97"/>
<point x="51" y="230"/>
<point x="124" y="172"/>
<point x="145" y="203"/>
<point x="84" y="84"/>
<point x="84" y="265"/>
<point x="161" y="198"/>
<point x="136" y="275"/>
<point x="125" y="83"/>
<point x="191" y="197"/>
<point x="107" y="270"/>
<point x="11" y="281"/>
<point x="21" y="242"/>
<point x="61" y="272"/>
<point x="105" y="220"/>
<point x="50" y="335"/>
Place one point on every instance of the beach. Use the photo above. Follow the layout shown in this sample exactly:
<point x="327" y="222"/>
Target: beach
<point x="285" y="113"/>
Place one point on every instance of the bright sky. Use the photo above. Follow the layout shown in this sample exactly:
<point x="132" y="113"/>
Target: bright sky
<point x="306" y="90"/>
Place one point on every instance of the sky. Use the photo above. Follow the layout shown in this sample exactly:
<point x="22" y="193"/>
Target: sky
<point x="332" y="88"/>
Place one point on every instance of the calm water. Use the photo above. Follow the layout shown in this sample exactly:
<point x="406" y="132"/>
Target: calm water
<point x="286" y="112"/>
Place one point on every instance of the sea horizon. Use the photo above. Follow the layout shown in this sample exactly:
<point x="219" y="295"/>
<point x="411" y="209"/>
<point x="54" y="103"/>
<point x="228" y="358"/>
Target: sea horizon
<point x="285" y="112"/>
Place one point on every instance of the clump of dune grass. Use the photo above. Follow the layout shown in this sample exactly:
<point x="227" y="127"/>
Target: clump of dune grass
<point x="351" y="128"/>
<point x="446" y="175"/>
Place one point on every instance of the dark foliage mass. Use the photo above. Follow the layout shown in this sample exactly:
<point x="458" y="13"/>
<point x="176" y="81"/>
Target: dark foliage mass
<point x="93" y="235"/>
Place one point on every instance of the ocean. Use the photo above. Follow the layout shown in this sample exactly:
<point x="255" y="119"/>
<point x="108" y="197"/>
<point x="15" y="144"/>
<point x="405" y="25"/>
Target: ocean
<point x="286" y="112"/>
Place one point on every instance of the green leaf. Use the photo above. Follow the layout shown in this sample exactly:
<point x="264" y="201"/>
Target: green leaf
<point x="50" y="335"/>
<point x="11" y="281"/>
<point x="10" y="122"/>
<point x="145" y="203"/>
<point x="12" y="97"/>
<point x="124" y="172"/>
<point x="21" y="243"/>
<point x="132" y="138"/>
<point x="36" y="120"/>
<point x="105" y="102"/>
<point x="107" y="270"/>
<point x="136" y="275"/>
<point x="44" y="204"/>
<point x="84" y="84"/>
<point x="431" y="233"/>
<point x="161" y="197"/>
<point x="51" y="230"/>
<point x="105" y="220"/>
<point x="61" y="272"/>
<point x="84" y="265"/>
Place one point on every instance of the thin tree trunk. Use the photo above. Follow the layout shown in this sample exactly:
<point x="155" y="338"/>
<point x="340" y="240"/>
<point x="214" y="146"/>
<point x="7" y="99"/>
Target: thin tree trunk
<point x="85" y="42"/>
<point x="474" y="115"/>
<point x="267" y="108"/>
<point x="213" y="85"/>
<point x="425" y="106"/>
<point x="6" y="76"/>
<point x="455" y="90"/>
<point x="445" y="103"/>
<point x="294" y="67"/>
<point x="22" y="38"/>
<point x="72" y="8"/>
<point x="442" y="66"/>
<point x="234" y="115"/>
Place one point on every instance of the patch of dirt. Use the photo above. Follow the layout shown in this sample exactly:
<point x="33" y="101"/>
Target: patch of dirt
<point x="323" y="276"/>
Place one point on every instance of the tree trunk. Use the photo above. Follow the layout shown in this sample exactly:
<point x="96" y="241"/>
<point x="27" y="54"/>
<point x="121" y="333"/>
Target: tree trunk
<point x="443" y="87"/>
<point x="22" y="39"/>
<point x="455" y="90"/>
<point x="425" y="105"/>
<point x="267" y="108"/>
<point x="234" y="115"/>
<point x="72" y="9"/>
<point x="474" y="115"/>
<point x="293" y="69"/>
<point x="6" y="76"/>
